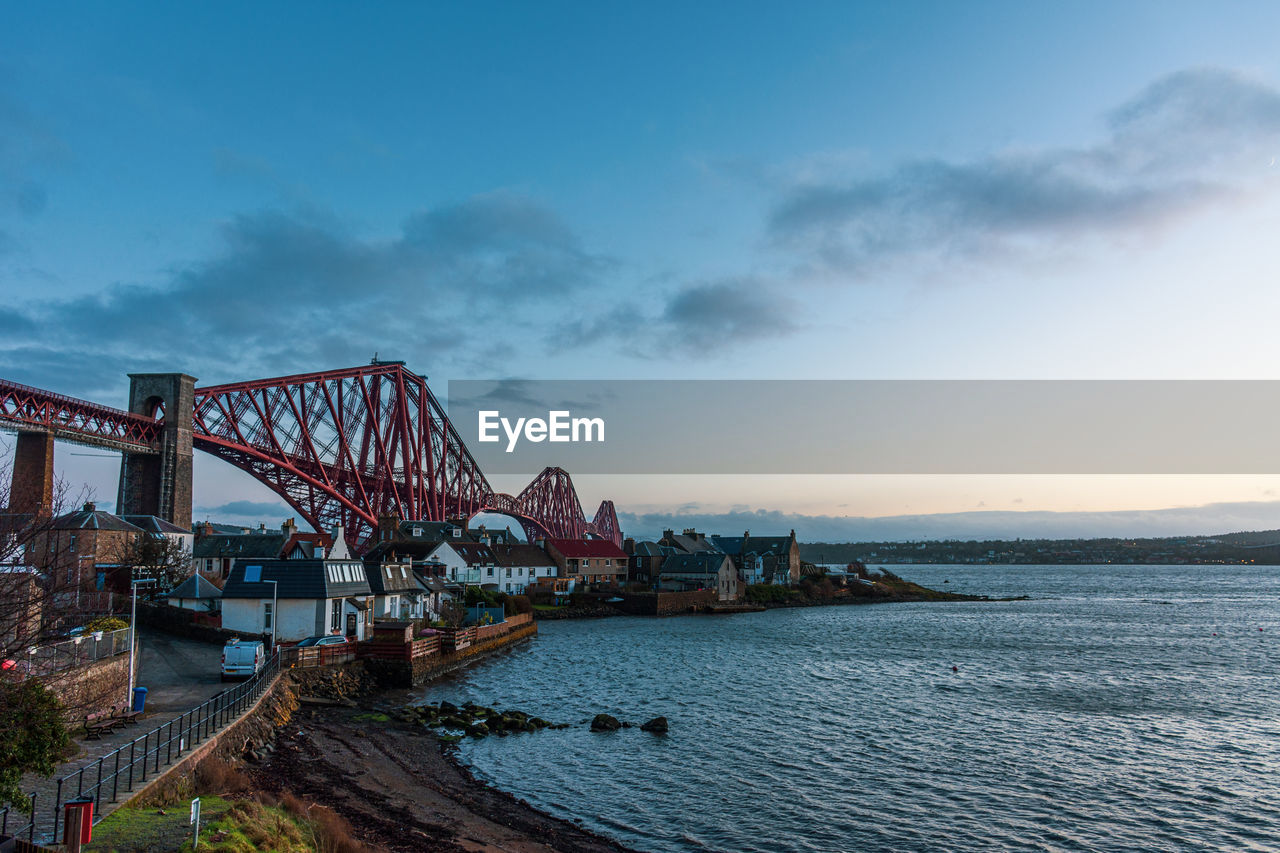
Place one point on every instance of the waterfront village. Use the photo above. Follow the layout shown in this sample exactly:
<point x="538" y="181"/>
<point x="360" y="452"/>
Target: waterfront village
<point x="288" y="584"/>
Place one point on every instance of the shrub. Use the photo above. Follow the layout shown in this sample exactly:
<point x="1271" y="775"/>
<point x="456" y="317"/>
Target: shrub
<point x="518" y="604"/>
<point x="34" y="736"/>
<point x="106" y="623"/>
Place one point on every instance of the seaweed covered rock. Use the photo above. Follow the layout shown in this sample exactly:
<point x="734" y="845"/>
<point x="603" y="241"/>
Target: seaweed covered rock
<point x="605" y="723"/>
<point x="657" y="725"/>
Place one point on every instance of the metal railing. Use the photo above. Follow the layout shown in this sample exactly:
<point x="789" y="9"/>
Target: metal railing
<point x="87" y="648"/>
<point x="145" y="757"/>
<point x="29" y="827"/>
<point x="292" y="657"/>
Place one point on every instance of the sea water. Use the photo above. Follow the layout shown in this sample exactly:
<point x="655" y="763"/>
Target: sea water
<point x="1118" y="708"/>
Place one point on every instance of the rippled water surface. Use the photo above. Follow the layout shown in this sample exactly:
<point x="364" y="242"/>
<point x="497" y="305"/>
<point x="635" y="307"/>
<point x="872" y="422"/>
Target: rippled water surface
<point x="1103" y="714"/>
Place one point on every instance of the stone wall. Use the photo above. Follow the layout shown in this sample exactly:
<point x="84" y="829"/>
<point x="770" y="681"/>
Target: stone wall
<point x="398" y="674"/>
<point x="252" y="733"/>
<point x="666" y="603"/>
<point x="93" y="688"/>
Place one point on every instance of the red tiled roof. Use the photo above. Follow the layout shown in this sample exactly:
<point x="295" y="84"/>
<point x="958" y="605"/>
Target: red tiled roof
<point x="579" y="548"/>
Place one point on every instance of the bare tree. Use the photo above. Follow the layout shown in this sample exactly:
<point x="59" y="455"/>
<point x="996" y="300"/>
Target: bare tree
<point x="158" y="558"/>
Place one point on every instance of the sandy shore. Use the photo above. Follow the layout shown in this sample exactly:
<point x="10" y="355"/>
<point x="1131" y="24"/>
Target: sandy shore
<point x="402" y="792"/>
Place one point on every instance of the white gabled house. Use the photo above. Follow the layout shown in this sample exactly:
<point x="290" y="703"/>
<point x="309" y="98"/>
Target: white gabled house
<point x="303" y="598"/>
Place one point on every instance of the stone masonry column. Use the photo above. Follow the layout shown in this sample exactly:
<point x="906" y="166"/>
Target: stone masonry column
<point x="160" y="484"/>
<point x="31" y="489"/>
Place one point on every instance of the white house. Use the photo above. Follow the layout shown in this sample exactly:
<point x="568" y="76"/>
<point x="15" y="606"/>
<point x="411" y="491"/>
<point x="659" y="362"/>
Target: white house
<point x="302" y="598"/>
<point x="519" y="567"/>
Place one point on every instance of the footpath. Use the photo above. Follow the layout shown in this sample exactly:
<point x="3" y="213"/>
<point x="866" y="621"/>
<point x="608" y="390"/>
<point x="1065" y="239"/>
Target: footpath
<point x="179" y="675"/>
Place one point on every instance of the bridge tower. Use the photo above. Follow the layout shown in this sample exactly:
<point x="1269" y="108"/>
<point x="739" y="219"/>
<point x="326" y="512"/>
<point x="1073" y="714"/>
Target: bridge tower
<point x="160" y="484"/>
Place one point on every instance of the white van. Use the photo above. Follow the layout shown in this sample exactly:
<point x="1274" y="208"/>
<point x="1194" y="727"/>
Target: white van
<point x="242" y="658"/>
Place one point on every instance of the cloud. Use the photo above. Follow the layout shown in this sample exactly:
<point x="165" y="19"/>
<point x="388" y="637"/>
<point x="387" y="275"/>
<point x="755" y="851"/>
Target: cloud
<point x="1187" y="140"/>
<point x="297" y="291"/>
<point x="247" y="509"/>
<point x="699" y="318"/>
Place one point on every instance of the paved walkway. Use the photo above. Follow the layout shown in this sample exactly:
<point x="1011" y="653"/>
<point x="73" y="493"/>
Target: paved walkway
<point x="179" y="674"/>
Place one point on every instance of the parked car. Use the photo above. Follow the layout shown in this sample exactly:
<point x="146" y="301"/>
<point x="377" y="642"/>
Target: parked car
<point x="325" y="640"/>
<point x="243" y="658"/>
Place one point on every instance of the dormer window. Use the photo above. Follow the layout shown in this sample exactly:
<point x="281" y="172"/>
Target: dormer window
<point x="417" y="531"/>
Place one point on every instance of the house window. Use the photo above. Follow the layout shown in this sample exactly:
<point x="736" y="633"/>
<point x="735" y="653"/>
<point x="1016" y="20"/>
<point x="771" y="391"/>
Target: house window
<point x="266" y="616"/>
<point x="508" y="575"/>
<point x="491" y="571"/>
<point x="335" y="616"/>
<point x="417" y="531"/>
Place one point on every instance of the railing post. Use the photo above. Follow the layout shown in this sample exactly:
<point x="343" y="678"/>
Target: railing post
<point x="97" y="789"/>
<point x="157" y="750"/>
<point x="31" y="831"/>
<point x="132" y="744"/>
<point x="168" y="759"/>
<point x="146" y="741"/>
<point x="115" y="779"/>
<point x="57" y="804"/>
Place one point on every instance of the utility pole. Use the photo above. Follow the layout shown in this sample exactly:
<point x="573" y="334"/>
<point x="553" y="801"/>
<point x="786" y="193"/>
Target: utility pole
<point x="133" y="634"/>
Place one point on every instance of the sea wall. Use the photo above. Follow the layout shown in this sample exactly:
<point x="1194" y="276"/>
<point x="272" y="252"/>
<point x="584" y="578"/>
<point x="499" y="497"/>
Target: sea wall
<point x="665" y="603"/>
<point x="405" y="673"/>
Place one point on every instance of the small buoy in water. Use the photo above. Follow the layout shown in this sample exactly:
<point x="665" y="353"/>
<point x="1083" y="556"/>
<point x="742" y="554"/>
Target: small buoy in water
<point x="1259" y="629"/>
<point x="955" y="669"/>
<point x="1215" y="633"/>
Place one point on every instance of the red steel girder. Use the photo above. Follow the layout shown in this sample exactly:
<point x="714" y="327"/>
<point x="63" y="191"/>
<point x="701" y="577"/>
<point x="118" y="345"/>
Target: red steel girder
<point x="27" y="409"/>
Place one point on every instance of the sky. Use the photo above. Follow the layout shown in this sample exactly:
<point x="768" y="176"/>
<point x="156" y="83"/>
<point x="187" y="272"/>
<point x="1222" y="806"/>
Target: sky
<point x="657" y="191"/>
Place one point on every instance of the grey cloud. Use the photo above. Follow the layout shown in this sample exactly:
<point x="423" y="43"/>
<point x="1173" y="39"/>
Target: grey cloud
<point x="728" y="308"/>
<point x="297" y="291"/>
<point x="699" y="318"/>
<point x="1186" y="140"/>
<point x="247" y="509"/>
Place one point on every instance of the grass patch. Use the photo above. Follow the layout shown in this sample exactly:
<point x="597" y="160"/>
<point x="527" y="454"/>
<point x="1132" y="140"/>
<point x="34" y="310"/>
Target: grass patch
<point x="548" y="607"/>
<point x="148" y="831"/>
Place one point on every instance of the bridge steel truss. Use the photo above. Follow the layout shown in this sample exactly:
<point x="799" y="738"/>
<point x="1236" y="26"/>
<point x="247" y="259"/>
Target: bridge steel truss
<point x="341" y="447"/>
<point x="27" y="409"/>
<point x="348" y="446"/>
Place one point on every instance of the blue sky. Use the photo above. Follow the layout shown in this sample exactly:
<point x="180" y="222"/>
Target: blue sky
<point x="925" y="190"/>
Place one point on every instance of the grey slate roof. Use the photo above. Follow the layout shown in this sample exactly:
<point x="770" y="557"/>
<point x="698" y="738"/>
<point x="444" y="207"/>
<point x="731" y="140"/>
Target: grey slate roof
<point x="433" y="531"/>
<point x="265" y="546"/>
<point x="92" y="519"/>
<point x="152" y="524"/>
<point x="418" y="549"/>
<point x="652" y="549"/>
<point x="755" y="544"/>
<point x="701" y="563"/>
<point x="195" y="587"/>
<point x="299" y="579"/>
<point x="521" y="555"/>
<point x="391" y="578"/>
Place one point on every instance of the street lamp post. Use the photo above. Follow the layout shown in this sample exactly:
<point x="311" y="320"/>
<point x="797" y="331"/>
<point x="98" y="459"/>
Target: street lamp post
<point x="275" y="617"/>
<point x="133" y="633"/>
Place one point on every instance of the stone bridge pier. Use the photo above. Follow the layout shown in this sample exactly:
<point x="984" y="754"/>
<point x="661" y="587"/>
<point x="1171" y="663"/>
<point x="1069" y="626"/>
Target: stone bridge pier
<point x="159" y="484"/>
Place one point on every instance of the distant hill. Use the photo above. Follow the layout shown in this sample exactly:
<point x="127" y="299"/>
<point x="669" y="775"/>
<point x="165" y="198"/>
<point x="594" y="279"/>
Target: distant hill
<point x="1258" y="546"/>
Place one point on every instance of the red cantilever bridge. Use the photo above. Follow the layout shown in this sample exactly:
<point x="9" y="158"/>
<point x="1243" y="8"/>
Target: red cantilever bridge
<point x="341" y="447"/>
